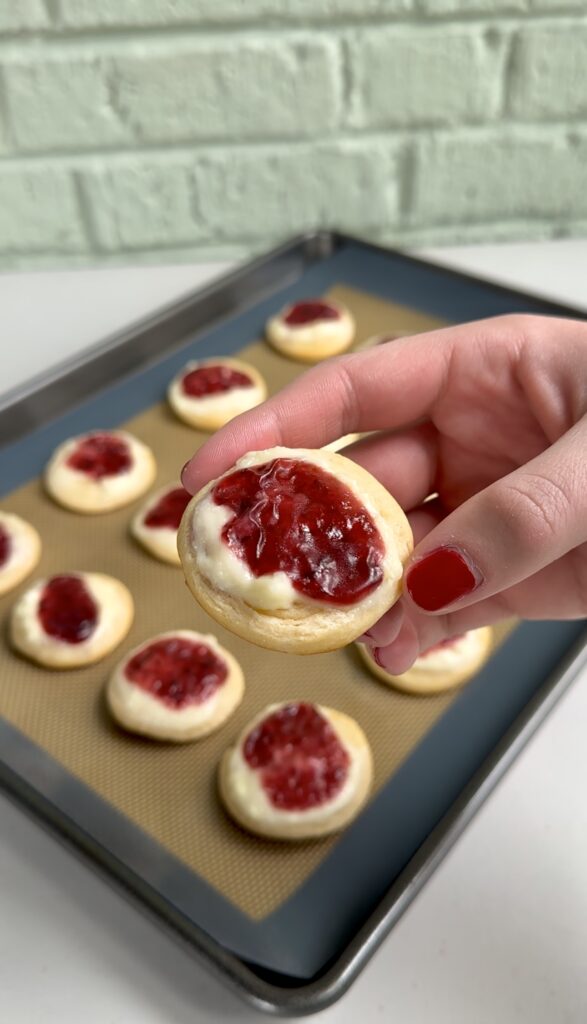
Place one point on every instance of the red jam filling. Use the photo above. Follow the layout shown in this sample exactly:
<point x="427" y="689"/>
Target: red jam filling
<point x="301" y="761"/>
<point x="100" y="455"/>
<point x="451" y="641"/>
<point x="291" y="516"/>
<point x="168" y="510"/>
<point x="309" y="311"/>
<point x="213" y="380"/>
<point x="5" y="546"/>
<point x="177" y="671"/>
<point x="67" y="610"/>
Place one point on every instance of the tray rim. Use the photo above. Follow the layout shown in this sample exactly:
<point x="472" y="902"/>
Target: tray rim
<point x="263" y="993"/>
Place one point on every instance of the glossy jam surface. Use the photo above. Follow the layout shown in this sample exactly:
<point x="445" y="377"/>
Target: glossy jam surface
<point x="101" y="455"/>
<point x="292" y="516"/>
<point x="67" y="610"/>
<point x="213" y="380"/>
<point x="309" y="311"/>
<point x="168" y="510"/>
<point x="301" y="761"/>
<point x="177" y="671"/>
<point x="5" y="545"/>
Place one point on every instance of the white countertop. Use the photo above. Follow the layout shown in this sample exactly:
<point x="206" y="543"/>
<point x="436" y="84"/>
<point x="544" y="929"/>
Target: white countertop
<point x="498" y="934"/>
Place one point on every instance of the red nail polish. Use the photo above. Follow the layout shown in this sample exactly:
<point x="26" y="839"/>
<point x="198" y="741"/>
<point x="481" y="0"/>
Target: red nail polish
<point x="440" y="578"/>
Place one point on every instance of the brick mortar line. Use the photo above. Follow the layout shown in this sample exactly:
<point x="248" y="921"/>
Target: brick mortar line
<point x="161" y="151"/>
<point x="67" y="39"/>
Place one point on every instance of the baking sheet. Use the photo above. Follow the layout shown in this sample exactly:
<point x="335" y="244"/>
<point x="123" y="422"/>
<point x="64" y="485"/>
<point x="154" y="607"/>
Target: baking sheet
<point x="323" y="914"/>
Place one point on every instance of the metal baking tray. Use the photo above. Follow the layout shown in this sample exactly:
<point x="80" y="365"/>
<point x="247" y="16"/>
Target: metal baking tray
<point x="332" y="929"/>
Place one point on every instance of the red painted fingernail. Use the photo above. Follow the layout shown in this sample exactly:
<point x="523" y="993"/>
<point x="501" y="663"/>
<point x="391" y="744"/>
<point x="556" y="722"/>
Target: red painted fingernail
<point x="440" y="578"/>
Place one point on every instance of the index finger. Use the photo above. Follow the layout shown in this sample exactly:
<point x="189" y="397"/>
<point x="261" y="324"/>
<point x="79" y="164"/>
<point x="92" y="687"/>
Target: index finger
<point x="384" y="388"/>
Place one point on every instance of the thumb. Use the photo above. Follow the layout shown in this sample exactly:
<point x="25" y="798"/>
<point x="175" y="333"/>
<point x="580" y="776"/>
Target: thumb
<point x="505" y="533"/>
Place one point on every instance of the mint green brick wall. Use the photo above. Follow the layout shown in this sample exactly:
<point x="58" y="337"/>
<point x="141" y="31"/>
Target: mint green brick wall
<point x="182" y="129"/>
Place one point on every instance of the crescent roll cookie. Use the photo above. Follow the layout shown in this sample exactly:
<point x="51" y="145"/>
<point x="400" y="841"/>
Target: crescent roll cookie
<point x="294" y="549"/>
<point x="176" y="686"/>
<point x="210" y="392"/>
<point x="71" y="620"/>
<point x="443" y="667"/>
<point x="100" y="471"/>
<point x="311" y="330"/>
<point x="156" y="524"/>
<point x="20" y="550"/>
<point x="297" y="771"/>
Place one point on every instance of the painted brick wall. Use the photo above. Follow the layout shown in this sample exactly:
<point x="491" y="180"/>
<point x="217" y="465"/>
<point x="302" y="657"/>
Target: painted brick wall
<point x="179" y="129"/>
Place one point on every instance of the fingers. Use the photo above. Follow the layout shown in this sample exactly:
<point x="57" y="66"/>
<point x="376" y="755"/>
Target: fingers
<point x="505" y="533"/>
<point x="405" y="462"/>
<point x="384" y="388"/>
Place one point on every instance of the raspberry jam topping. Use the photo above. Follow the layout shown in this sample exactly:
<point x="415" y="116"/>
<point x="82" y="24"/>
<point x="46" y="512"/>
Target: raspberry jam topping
<point x="301" y="761"/>
<point x="5" y="545"/>
<point x="309" y="311"/>
<point x="213" y="380"/>
<point x="451" y="641"/>
<point x="178" y="671"/>
<point x="292" y="516"/>
<point x="168" y="510"/>
<point x="100" y="455"/>
<point x="67" y="610"/>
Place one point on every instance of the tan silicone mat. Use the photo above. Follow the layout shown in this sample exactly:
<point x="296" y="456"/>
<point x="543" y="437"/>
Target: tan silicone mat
<point x="170" y="791"/>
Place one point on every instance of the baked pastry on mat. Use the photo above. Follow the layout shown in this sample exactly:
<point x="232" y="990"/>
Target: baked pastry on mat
<point x="156" y="523"/>
<point x="20" y="550"/>
<point x="178" y="686"/>
<point x="444" y="666"/>
<point x="72" y="619"/>
<point x="99" y="471"/>
<point x="208" y="393"/>
<point x="311" y="330"/>
<point x="296" y="550"/>
<point x="297" y="771"/>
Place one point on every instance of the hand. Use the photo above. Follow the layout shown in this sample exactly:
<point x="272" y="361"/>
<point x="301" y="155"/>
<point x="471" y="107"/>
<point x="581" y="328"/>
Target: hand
<point x="492" y="416"/>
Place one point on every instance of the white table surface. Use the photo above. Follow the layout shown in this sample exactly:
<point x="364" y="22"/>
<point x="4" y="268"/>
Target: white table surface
<point x="498" y="934"/>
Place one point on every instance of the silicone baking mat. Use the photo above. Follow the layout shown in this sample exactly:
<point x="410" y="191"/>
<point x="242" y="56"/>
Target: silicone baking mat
<point x="153" y="807"/>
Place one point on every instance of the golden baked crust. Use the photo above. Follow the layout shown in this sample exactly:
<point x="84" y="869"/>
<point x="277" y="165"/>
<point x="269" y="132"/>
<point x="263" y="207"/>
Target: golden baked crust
<point x="116" y="615"/>
<point x="310" y="343"/>
<point x="79" y="493"/>
<point x="423" y="681"/>
<point x="213" y="411"/>
<point x="282" y="826"/>
<point x="26" y="553"/>
<point x="307" y="627"/>
<point x="145" y="715"/>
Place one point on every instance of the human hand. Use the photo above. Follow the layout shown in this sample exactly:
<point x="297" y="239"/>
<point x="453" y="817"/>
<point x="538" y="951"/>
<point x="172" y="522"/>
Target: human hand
<point x="492" y="416"/>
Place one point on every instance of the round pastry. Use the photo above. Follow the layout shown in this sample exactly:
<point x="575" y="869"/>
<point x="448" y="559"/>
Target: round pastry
<point x="298" y="771"/>
<point x="210" y="392"/>
<point x="99" y="471"/>
<point x="311" y="330"/>
<point x="444" y="666"/>
<point x="156" y="524"/>
<point x="176" y="686"/>
<point x="294" y="549"/>
<point x="20" y="550"/>
<point x="71" y="620"/>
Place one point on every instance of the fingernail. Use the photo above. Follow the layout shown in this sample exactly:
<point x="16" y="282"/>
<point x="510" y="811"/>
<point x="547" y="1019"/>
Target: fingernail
<point x="184" y="469"/>
<point x="440" y="578"/>
<point x="376" y="654"/>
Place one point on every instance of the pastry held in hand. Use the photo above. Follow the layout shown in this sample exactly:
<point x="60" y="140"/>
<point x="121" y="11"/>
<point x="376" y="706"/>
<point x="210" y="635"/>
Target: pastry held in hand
<point x="311" y="330"/>
<point x="297" y="771"/>
<point x="443" y="667"/>
<point x="208" y="393"/>
<point x="177" y="686"/>
<point x="296" y="550"/>
<point x="71" y="620"/>
<point x="100" y="471"/>
<point x="20" y="550"/>
<point x="156" y="523"/>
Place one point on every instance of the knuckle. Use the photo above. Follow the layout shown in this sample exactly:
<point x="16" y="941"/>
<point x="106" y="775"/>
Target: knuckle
<point x="537" y="509"/>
